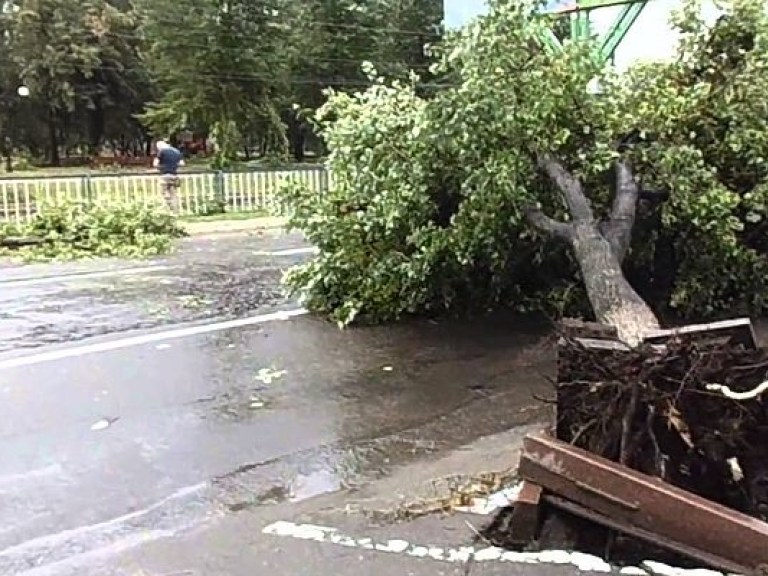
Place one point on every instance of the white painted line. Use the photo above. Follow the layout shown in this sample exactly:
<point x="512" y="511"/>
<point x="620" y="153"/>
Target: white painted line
<point x="583" y="562"/>
<point x="290" y="252"/>
<point x="78" y="276"/>
<point x="74" y="542"/>
<point x="20" y="478"/>
<point x="111" y="345"/>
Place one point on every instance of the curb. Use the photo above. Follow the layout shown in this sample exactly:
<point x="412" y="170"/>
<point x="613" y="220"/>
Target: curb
<point x="233" y="226"/>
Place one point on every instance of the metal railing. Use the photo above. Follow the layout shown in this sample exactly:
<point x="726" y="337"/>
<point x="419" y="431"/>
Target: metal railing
<point x="201" y="193"/>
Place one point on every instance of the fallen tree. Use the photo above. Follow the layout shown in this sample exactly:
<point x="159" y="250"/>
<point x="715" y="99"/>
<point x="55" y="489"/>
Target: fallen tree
<point x="509" y="183"/>
<point x="435" y="187"/>
<point x="600" y="247"/>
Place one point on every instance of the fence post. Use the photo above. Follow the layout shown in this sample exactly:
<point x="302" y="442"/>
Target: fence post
<point x="85" y="188"/>
<point x="219" y="187"/>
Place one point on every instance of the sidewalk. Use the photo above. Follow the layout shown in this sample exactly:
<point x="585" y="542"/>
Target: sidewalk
<point x="239" y="544"/>
<point x="223" y="226"/>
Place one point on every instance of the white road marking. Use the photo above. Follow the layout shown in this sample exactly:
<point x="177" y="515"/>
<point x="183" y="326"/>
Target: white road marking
<point x="21" y="282"/>
<point x="61" y="538"/>
<point x="51" y="470"/>
<point x="290" y="252"/>
<point x="76" y="351"/>
<point x="583" y="562"/>
<point x="58" y="553"/>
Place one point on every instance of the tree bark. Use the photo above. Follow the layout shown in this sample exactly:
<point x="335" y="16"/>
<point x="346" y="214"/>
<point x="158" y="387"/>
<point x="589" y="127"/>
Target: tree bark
<point x="599" y="248"/>
<point x="96" y="124"/>
<point x="53" y="138"/>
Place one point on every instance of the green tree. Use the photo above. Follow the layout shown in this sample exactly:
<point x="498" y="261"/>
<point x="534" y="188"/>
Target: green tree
<point x="333" y="38"/>
<point x="218" y="68"/>
<point x="10" y="81"/>
<point x="407" y="29"/>
<point x="51" y="42"/>
<point x="516" y="185"/>
<point x="117" y="89"/>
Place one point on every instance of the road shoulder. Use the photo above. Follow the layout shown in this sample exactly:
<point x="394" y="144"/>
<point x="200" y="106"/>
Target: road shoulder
<point x="253" y="541"/>
<point x="224" y="226"/>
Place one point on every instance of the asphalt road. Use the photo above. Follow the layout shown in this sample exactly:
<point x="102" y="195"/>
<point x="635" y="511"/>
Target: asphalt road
<point x="155" y="418"/>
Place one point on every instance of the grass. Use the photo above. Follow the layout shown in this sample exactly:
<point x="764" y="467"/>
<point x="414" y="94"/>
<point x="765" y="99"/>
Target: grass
<point x="226" y="216"/>
<point x="192" y="163"/>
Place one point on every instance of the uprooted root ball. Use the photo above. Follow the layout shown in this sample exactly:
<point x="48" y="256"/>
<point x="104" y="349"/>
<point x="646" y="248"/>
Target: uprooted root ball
<point x="651" y="409"/>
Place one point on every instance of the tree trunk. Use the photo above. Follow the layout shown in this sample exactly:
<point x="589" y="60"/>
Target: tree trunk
<point x="599" y="248"/>
<point x="53" y="138"/>
<point x="8" y="153"/>
<point x="613" y="300"/>
<point x="96" y="124"/>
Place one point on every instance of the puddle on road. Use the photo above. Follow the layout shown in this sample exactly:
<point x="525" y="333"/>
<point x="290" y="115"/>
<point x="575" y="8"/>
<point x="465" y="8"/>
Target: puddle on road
<point x="315" y="472"/>
<point x="306" y="486"/>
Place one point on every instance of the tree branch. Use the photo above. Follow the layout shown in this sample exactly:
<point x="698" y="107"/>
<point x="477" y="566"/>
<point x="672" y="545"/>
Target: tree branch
<point x="570" y="187"/>
<point x="618" y="230"/>
<point x="544" y="223"/>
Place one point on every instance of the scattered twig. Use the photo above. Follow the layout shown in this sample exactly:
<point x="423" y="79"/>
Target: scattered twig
<point x="478" y="534"/>
<point x="626" y="424"/>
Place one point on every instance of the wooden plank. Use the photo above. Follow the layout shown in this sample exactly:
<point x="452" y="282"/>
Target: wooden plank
<point x="644" y="503"/>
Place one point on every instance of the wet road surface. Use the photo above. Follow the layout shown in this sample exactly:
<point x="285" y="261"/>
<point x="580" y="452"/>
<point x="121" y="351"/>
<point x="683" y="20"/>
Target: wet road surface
<point x="207" y="278"/>
<point x="120" y="441"/>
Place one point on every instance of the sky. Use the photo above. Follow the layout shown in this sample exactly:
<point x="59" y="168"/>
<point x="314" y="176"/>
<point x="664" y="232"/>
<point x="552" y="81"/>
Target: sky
<point x="653" y="23"/>
<point x="458" y="12"/>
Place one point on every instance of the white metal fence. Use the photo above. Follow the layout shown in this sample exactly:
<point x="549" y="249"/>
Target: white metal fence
<point x="201" y="193"/>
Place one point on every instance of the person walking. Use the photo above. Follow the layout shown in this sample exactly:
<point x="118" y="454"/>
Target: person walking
<point x="167" y="162"/>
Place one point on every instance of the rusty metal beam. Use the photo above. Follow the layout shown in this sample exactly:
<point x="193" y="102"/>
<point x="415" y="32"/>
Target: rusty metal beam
<point x="526" y="514"/>
<point x="708" y="532"/>
<point x="738" y="331"/>
<point x="641" y="534"/>
<point x="581" y="328"/>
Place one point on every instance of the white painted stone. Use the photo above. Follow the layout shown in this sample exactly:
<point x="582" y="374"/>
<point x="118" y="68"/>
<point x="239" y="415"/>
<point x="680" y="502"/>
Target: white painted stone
<point x="589" y="563"/>
<point x="488" y="554"/>
<point x="418" y="551"/>
<point x="633" y="571"/>
<point x="365" y="543"/>
<point x="460" y="556"/>
<point x="583" y="562"/>
<point x="666" y="570"/>
<point x="342" y="540"/>
<point x="555" y="557"/>
<point x="393" y="546"/>
<point x="520" y="557"/>
<point x="310" y="532"/>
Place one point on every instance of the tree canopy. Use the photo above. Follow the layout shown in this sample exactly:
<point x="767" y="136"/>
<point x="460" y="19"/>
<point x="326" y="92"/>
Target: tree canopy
<point x="440" y="200"/>
<point x="115" y="72"/>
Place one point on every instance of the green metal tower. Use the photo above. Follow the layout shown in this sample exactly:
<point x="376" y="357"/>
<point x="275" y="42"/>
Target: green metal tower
<point x="580" y="26"/>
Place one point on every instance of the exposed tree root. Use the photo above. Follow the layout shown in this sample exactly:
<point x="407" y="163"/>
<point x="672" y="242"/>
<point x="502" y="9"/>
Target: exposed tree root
<point x="658" y="411"/>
